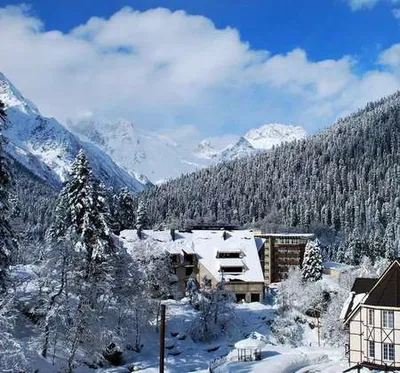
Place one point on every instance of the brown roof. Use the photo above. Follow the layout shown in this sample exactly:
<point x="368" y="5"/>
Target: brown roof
<point x="363" y="285"/>
<point x="387" y="289"/>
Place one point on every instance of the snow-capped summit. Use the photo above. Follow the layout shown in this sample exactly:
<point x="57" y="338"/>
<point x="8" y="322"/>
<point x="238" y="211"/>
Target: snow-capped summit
<point x="205" y="150"/>
<point x="159" y="156"/>
<point x="262" y="138"/>
<point x="162" y="156"/>
<point x="48" y="149"/>
<point x="269" y="135"/>
<point x="240" y="149"/>
<point x="11" y="97"/>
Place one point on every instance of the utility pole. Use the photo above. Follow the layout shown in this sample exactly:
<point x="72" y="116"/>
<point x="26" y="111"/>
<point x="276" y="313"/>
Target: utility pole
<point x="162" y="338"/>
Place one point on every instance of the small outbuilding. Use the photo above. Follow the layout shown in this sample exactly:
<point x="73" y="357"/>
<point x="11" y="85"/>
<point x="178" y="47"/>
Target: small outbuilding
<point x="249" y="349"/>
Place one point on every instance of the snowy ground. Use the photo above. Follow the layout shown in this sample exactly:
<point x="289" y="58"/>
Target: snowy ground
<point x="184" y="355"/>
<point x="249" y="318"/>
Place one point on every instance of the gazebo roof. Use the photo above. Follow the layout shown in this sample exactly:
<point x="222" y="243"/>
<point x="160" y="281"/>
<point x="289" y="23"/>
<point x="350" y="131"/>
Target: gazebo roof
<point x="249" y="344"/>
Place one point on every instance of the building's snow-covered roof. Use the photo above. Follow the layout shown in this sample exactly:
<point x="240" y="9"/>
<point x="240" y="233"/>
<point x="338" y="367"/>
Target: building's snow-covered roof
<point x="205" y="244"/>
<point x="346" y="306"/>
<point x="231" y="262"/>
<point x="351" y="303"/>
<point x="288" y="235"/>
<point x="357" y="300"/>
<point x="250" y="344"/>
<point x="228" y="250"/>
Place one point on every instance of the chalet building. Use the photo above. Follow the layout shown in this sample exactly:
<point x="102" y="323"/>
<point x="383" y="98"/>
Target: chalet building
<point x="372" y="314"/>
<point x="211" y="253"/>
<point x="280" y="251"/>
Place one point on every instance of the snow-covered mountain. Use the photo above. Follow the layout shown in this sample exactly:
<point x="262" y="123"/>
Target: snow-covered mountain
<point x="270" y="135"/>
<point x="48" y="149"/>
<point x="162" y="157"/>
<point x="157" y="156"/>
<point x="262" y="138"/>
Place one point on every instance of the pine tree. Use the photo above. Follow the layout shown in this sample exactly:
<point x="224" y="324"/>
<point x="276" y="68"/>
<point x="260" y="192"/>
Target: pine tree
<point x="141" y="216"/>
<point x="82" y="209"/>
<point x="312" y="262"/>
<point x="124" y="209"/>
<point x="91" y="266"/>
<point x="6" y="237"/>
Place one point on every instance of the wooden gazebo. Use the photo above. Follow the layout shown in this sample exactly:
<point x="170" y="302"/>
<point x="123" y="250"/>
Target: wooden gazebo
<point x="249" y="349"/>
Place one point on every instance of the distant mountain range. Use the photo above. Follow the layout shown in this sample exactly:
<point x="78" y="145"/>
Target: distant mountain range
<point x="161" y="157"/>
<point x="47" y="149"/>
<point x="120" y="153"/>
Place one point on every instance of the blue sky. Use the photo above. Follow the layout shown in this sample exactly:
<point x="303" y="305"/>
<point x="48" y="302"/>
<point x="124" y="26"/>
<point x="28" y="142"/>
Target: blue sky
<point x="301" y="62"/>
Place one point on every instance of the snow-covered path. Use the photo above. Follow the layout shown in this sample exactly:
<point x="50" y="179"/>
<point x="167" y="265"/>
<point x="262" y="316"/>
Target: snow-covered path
<point x="287" y="360"/>
<point x="278" y="362"/>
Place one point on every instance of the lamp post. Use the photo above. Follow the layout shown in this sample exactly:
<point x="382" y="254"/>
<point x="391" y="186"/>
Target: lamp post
<point x="162" y="338"/>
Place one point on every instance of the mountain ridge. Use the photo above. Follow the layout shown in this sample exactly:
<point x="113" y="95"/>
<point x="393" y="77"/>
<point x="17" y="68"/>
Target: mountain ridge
<point x="48" y="149"/>
<point x="161" y="157"/>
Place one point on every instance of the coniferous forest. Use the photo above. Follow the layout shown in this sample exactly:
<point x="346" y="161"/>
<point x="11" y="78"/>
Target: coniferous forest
<point x="342" y="183"/>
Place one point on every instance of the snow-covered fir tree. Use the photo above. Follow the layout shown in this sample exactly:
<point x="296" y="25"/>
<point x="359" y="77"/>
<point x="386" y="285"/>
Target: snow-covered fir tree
<point x="124" y="209"/>
<point x="312" y="266"/>
<point x="82" y="208"/>
<point x="141" y="216"/>
<point x="86" y="266"/>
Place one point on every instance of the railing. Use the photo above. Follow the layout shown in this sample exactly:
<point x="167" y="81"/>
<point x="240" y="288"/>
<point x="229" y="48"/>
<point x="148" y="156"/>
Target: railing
<point x="218" y="362"/>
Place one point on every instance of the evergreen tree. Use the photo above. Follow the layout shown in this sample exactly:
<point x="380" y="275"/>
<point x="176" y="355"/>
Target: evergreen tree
<point x="124" y="209"/>
<point x="312" y="262"/>
<point x="141" y="216"/>
<point x="87" y="267"/>
<point x="82" y="208"/>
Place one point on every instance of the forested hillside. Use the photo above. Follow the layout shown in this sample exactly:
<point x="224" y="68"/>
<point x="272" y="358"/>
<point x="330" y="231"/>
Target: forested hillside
<point x="342" y="183"/>
<point x="32" y="205"/>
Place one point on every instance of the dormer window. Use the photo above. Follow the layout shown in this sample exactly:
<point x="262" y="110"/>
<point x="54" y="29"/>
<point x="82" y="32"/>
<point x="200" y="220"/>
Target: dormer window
<point x="229" y="254"/>
<point x="232" y="269"/>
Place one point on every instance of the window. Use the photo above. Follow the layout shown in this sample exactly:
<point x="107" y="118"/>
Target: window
<point x="371" y="348"/>
<point x="388" y="351"/>
<point x="371" y="317"/>
<point x="233" y="254"/>
<point x="188" y="271"/>
<point x="388" y="319"/>
<point x="232" y="269"/>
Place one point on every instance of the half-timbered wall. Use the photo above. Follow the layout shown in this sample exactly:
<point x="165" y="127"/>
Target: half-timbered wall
<point x="368" y="327"/>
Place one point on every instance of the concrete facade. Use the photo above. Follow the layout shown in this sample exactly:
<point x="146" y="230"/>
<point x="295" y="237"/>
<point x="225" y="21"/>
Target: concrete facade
<point x="279" y="252"/>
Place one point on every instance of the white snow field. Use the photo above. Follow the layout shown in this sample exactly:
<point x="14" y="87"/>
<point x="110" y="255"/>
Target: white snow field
<point x="250" y="317"/>
<point x="185" y="355"/>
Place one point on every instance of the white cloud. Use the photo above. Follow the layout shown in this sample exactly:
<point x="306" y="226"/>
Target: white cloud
<point x="391" y="57"/>
<point x="360" y="4"/>
<point x="165" y="69"/>
<point x="396" y="13"/>
<point x="369" y="4"/>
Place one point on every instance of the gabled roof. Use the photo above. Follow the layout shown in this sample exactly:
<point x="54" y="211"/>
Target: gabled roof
<point x="386" y="291"/>
<point x="363" y="285"/>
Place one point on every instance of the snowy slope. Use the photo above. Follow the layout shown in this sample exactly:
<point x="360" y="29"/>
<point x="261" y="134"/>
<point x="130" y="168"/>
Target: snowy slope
<point x="157" y="156"/>
<point x="48" y="149"/>
<point x="162" y="157"/>
<point x="270" y="135"/>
